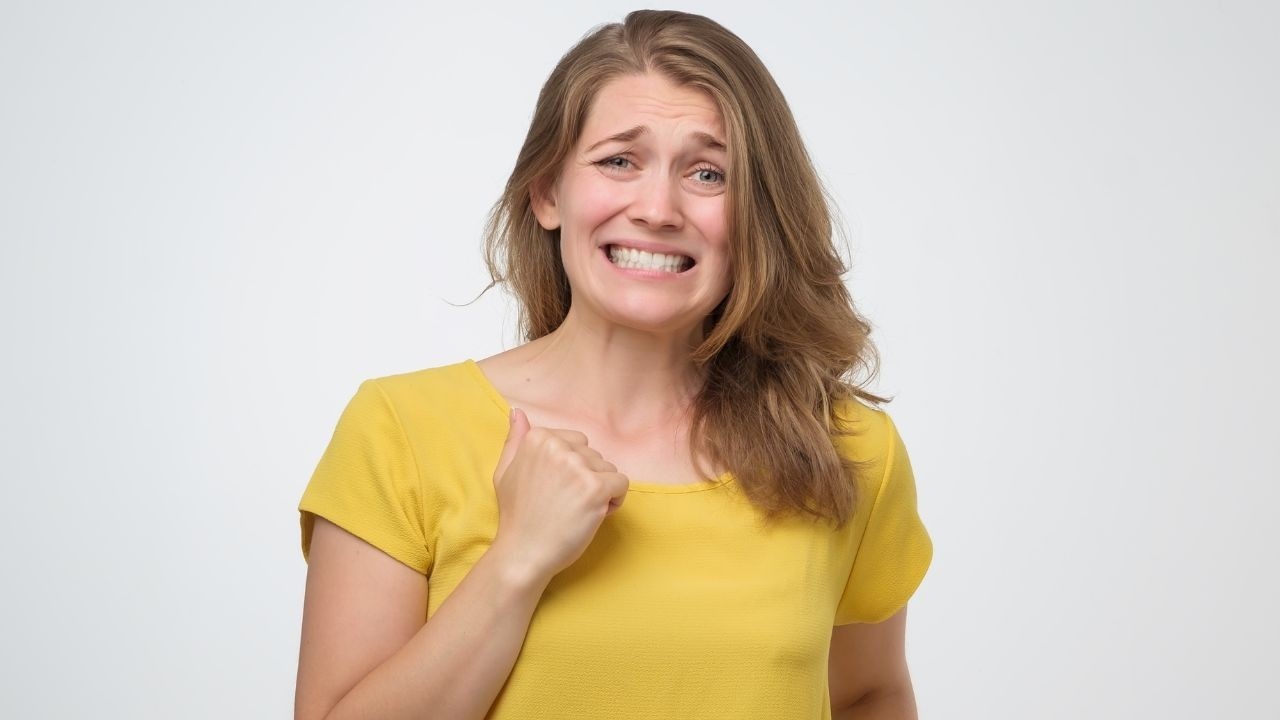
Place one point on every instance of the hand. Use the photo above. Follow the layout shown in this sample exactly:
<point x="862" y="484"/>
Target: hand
<point x="553" y="493"/>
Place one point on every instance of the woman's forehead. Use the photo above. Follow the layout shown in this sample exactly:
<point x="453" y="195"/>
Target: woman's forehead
<point x="639" y="107"/>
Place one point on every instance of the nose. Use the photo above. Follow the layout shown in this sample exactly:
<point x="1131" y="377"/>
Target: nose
<point x="657" y="204"/>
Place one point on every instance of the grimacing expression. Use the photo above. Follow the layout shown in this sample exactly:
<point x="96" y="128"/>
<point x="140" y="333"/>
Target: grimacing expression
<point x="648" y="171"/>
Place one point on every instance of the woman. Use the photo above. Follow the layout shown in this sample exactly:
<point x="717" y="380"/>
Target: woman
<point x="668" y="503"/>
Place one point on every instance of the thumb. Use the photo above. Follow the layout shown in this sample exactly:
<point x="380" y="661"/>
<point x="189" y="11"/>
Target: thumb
<point x="518" y="427"/>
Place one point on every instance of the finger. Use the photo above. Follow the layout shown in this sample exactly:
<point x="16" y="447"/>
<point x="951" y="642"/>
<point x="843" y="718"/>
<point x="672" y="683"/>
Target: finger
<point x="599" y="464"/>
<point x="573" y="437"/>
<point x="613" y="506"/>
<point x="616" y="485"/>
<point x="517" y="428"/>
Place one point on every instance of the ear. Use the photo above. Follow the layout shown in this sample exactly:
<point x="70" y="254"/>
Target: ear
<point x="544" y="205"/>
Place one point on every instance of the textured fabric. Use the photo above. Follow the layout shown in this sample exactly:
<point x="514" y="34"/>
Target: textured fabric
<point x="682" y="606"/>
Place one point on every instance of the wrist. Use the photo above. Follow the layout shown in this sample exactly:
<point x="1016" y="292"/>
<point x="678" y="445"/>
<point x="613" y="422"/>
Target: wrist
<point x="516" y="568"/>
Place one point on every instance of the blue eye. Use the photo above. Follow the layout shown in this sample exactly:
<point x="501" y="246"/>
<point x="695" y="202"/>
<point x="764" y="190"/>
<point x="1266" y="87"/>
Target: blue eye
<point x="713" y="171"/>
<point x="618" y="162"/>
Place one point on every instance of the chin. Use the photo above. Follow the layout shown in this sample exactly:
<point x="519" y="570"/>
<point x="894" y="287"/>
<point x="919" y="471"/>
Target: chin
<point x="646" y="322"/>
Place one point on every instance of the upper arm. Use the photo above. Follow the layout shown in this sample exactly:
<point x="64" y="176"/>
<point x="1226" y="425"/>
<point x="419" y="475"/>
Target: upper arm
<point x="892" y="549"/>
<point x="867" y="657"/>
<point x="361" y="606"/>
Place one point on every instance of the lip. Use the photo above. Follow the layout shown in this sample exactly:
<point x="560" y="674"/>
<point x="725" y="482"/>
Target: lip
<point x="649" y="246"/>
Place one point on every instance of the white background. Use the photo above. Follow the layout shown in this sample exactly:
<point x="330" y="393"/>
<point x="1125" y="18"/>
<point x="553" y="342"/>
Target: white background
<point x="218" y="218"/>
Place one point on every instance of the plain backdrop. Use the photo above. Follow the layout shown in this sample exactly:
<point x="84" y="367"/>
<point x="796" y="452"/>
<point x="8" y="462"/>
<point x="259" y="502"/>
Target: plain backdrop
<point x="219" y="218"/>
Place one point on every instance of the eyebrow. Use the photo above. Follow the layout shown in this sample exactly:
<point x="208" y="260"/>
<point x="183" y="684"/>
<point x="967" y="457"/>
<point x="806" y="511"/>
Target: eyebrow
<point x="706" y="139"/>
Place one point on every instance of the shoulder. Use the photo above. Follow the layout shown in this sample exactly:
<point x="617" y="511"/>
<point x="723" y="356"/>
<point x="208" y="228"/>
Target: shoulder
<point x="440" y="401"/>
<point x="863" y="433"/>
<point x="436" y="386"/>
<point x="436" y="377"/>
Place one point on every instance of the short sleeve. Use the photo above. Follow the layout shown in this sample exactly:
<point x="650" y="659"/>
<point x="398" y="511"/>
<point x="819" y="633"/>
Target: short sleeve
<point x="367" y="482"/>
<point x="895" y="550"/>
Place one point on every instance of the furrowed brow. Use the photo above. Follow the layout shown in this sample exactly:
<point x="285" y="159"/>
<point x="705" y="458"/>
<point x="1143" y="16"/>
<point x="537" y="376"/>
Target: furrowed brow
<point x="705" y="139"/>
<point x="709" y="140"/>
<point x="624" y="136"/>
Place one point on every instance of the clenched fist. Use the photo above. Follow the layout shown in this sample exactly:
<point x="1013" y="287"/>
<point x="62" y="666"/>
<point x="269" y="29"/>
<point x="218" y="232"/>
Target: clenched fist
<point x="553" y="491"/>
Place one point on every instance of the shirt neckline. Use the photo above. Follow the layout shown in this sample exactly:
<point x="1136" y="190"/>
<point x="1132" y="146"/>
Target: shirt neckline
<point x="490" y="390"/>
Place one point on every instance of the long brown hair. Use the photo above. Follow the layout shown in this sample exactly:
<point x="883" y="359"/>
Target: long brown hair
<point x="779" y="353"/>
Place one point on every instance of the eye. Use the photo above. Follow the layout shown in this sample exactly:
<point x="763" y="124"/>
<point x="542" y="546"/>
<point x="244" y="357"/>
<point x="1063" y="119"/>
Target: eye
<point x="611" y="163"/>
<point x="704" y="170"/>
<point x="708" y="175"/>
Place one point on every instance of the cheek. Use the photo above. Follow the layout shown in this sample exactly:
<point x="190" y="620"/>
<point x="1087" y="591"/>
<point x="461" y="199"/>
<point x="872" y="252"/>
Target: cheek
<point x="593" y="202"/>
<point x="712" y="222"/>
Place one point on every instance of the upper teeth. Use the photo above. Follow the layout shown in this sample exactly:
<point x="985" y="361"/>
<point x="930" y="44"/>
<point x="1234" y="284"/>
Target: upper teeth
<point x="631" y="258"/>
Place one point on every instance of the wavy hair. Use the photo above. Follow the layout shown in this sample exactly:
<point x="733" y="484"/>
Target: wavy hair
<point x="781" y="351"/>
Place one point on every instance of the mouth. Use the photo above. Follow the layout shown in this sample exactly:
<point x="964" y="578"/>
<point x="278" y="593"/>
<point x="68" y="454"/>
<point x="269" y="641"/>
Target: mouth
<point x="628" y="259"/>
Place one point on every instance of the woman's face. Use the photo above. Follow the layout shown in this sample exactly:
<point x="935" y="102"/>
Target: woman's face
<point x="648" y="173"/>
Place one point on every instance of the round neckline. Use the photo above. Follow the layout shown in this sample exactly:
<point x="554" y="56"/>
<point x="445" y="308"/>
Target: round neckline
<point x="491" y="390"/>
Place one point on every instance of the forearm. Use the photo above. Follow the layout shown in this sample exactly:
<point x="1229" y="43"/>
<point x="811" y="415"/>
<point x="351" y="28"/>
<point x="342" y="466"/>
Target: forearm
<point x="458" y="661"/>
<point x="897" y="704"/>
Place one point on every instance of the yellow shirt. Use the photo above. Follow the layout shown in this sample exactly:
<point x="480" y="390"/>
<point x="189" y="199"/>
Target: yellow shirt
<point x="682" y="606"/>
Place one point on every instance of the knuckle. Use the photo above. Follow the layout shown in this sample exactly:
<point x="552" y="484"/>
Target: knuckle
<point x="601" y="489"/>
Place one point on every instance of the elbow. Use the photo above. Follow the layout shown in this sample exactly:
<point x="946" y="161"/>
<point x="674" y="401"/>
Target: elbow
<point x="897" y="702"/>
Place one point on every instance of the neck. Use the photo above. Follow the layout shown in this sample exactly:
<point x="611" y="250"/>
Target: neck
<point x="623" y="380"/>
